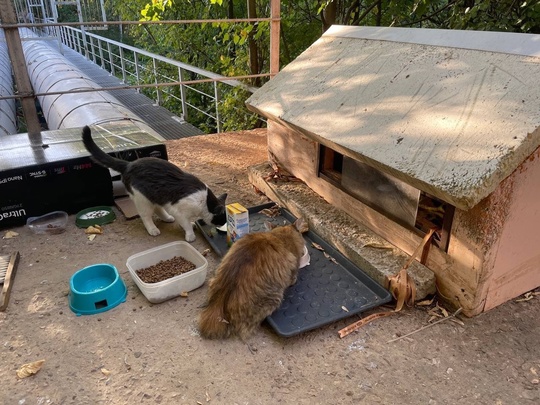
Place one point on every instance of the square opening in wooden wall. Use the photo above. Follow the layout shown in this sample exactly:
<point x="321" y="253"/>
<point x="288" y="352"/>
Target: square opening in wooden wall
<point x="330" y="165"/>
<point x="404" y="204"/>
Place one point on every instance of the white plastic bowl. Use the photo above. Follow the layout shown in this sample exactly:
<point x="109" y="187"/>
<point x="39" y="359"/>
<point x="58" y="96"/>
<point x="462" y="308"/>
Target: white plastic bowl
<point x="304" y="260"/>
<point x="174" y="286"/>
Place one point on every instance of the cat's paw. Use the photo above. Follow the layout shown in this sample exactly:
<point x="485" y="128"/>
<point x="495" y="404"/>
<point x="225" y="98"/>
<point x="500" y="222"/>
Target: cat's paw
<point x="190" y="237"/>
<point x="153" y="231"/>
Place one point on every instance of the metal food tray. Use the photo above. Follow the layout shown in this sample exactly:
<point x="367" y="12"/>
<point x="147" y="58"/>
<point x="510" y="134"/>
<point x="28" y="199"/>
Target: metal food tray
<point x="326" y="290"/>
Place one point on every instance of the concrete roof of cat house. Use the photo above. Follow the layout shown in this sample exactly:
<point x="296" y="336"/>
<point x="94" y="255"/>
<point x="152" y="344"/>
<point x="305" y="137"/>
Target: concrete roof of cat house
<point x="450" y="112"/>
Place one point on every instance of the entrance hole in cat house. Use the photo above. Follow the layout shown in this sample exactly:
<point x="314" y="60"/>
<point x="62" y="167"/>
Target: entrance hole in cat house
<point x="404" y="204"/>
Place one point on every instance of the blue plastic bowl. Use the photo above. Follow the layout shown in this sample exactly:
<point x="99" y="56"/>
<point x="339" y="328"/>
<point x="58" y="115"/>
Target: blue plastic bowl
<point x="96" y="289"/>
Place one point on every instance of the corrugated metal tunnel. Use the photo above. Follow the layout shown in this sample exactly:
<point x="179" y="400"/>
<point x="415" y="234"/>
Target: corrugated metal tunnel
<point x="51" y="72"/>
<point x="8" y="108"/>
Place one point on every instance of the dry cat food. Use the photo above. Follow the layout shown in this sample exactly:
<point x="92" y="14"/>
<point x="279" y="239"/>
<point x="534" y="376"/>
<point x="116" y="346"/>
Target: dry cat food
<point x="54" y="229"/>
<point x="94" y="214"/>
<point x="165" y="269"/>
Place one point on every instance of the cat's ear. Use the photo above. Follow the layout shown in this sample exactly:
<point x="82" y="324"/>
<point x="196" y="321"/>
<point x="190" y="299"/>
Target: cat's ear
<point x="301" y="225"/>
<point x="222" y="198"/>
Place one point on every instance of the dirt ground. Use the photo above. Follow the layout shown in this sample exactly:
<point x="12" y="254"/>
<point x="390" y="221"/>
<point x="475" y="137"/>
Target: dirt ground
<point x="152" y="354"/>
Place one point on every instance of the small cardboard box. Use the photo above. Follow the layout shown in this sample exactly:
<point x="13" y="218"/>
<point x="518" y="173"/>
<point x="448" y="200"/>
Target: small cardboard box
<point x="237" y="222"/>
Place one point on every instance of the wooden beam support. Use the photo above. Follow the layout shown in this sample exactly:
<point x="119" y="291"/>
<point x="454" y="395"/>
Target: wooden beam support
<point x="18" y="64"/>
<point x="275" y="11"/>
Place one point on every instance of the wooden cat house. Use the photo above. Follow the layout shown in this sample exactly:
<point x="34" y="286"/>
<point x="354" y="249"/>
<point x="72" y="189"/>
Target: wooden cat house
<point x="412" y="129"/>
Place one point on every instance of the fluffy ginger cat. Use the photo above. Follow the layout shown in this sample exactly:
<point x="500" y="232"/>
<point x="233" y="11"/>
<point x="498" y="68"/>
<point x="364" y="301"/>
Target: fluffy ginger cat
<point x="250" y="281"/>
<point x="159" y="187"/>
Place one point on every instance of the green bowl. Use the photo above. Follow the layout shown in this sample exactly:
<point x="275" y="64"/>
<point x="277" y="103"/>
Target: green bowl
<point x="95" y="216"/>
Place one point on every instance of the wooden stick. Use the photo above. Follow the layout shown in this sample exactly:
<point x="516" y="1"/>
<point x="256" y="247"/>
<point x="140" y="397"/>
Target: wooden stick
<point x="358" y="324"/>
<point x="426" y="326"/>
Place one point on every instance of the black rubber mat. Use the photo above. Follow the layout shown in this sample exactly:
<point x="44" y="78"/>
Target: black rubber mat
<point x="330" y="288"/>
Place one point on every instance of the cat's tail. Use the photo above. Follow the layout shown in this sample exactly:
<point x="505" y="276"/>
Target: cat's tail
<point x="212" y="322"/>
<point x="99" y="156"/>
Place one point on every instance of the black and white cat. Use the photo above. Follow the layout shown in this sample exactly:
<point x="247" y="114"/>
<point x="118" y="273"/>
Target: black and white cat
<point x="157" y="186"/>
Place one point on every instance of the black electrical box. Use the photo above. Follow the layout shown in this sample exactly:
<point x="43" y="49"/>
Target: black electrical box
<point x="59" y="175"/>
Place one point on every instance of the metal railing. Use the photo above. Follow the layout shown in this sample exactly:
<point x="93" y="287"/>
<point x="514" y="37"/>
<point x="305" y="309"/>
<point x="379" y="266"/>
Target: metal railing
<point x="166" y="79"/>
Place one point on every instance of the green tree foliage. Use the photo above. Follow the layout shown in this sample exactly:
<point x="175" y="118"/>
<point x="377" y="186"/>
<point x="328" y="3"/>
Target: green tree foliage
<point x="67" y="13"/>
<point x="486" y="15"/>
<point x="238" y="49"/>
<point x="219" y="47"/>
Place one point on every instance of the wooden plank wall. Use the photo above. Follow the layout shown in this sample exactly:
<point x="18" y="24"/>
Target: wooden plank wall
<point x="457" y="279"/>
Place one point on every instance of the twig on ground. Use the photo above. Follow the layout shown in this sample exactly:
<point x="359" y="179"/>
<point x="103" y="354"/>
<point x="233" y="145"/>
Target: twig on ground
<point x="426" y="326"/>
<point x="358" y="324"/>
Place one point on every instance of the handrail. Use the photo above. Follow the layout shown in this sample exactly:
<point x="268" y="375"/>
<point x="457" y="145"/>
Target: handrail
<point x="194" y="69"/>
<point x="111" y="56"/>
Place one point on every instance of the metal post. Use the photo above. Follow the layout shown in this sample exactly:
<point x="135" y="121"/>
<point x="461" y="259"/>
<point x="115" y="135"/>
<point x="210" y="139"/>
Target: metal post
<point x="111" y="58"/>
<point x="158" y="89"/>
<point x="22" y="79"/>
<point x="123" y="64"/>
<point x="137" y="73"/>
<point x="80" y="40"/>
<point x="182" y="94"/>
<point x="92" y="48"/>
<point x="74" y="39"/>
<point x="101" y="54"/>
<point x="83" y="30"/>
<point x="216" y="97"/>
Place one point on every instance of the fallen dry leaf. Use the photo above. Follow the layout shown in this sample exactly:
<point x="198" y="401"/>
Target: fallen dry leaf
<point x="271" y="212"/>
<point x="205" y="252"/>
<point x="317" y="246"/>
<point x="91" y="230"/>
<point x="425" y="303"/>
<point x="29" y="369"/>
<point x="330" y="258"/>
<point x="434" y="312"/>
<point x="458" y="321"/>
<point x="105" y="372"/>
<point x="401" y="285"/>
<point x="10" y="234"/>
<point x="402" y="288"/>
<point x="528" y="296"/>
<point x="443" y="311"/>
